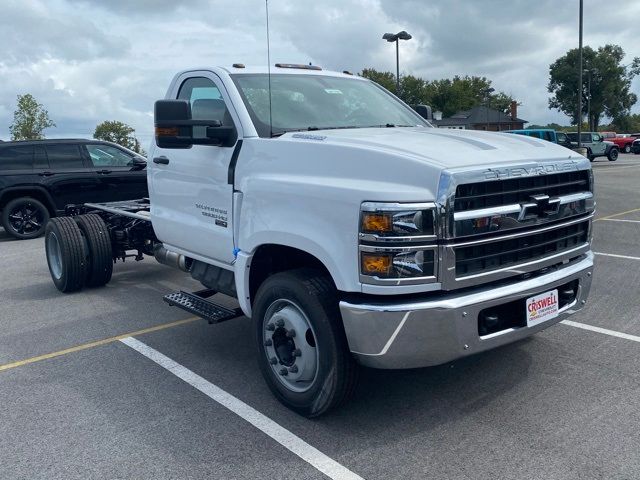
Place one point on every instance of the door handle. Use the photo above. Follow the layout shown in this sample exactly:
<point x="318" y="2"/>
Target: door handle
<point x="46" y="174"/>
<point x="161" y="160"/>
<point x="104" y="171"/>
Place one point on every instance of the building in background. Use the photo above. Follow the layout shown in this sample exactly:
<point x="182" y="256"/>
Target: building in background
<point x="483" y="118"/>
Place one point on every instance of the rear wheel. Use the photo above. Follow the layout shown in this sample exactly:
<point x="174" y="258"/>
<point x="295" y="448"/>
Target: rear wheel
<point x="627" y="148"/>
<point x="302" y="349"/>
<point x="613" y="155"/>
<point x="66" y="254"/>
<point x="25" y="218"/>
<point x="99" y="256"/>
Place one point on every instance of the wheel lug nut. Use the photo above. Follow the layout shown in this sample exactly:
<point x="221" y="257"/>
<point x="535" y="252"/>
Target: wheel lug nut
<point x="280" y="322"/>
<point x="293" y="369"/>
<point x="268" y="342"/>
<point x="284" y="371"/>
<point x="297" y="352"/>
<point x="271" y="327"/>
<point x="291" y="333"/>
<point x="273" y="360"/>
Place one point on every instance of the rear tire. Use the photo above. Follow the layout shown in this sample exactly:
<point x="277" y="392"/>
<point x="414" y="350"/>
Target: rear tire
<point x="25" y="218"/>
<point x="100" y="258"/>
<point x="627" y="148"/>
<point x="320" y="373"/>
<point x="66" y="254"/>
<point x="613" y="155"/>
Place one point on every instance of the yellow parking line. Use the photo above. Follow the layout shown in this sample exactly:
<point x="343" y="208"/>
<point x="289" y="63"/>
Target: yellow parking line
<point x="617" y="214"/>
<point x="97" y="343"/>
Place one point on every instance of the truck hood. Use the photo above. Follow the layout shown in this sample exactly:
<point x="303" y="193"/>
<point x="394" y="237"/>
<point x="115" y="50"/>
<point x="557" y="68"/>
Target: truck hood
<point x="447" y="148"/>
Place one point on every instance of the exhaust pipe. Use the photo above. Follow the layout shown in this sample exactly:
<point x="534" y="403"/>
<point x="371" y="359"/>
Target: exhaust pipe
<point x="171" y="259"/>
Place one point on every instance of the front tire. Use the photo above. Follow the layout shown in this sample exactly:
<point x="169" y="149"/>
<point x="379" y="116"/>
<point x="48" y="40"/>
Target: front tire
<point x="25" y="218"/>
<point x="627" y="148"/>
<point x="302" y="349"/>
<point x="66" y="254"/>
<point x="613" y="155"/>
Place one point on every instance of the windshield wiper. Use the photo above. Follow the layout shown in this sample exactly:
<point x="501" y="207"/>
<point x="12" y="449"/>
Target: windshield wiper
<point x="310" y="129"/>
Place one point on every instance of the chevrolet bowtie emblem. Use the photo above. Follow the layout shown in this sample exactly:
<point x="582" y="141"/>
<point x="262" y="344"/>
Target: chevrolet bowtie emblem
<point x="539" y="206"/>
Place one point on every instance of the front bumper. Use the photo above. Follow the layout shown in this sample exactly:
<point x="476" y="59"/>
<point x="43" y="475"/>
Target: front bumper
<point x="441" y="329"/>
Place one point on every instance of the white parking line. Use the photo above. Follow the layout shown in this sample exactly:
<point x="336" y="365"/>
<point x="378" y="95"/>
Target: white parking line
<point x="619" y="220"/>
<point x="284" y="437"/>
<point x="627" y="257"/>
<point x="606" y="331"/>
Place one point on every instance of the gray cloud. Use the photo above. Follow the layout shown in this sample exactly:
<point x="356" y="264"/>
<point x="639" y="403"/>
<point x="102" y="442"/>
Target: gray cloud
<point x="92" y="60"/>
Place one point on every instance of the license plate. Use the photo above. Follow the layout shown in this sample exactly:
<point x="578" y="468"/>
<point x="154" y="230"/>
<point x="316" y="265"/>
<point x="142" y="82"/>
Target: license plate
<point x="542" y="307"/>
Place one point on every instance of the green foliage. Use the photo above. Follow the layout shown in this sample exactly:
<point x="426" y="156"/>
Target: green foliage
<point x="29" y="120"/>
<point x="384" y="79"/>
<point x="120" y="133"/>
<point x="446" y="95"/>
<point x="625" y="124"/>
<point x="610" y="93"/>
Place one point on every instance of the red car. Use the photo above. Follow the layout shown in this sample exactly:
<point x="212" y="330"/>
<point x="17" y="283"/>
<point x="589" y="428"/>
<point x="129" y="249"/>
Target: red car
<point x="624" y="142"/>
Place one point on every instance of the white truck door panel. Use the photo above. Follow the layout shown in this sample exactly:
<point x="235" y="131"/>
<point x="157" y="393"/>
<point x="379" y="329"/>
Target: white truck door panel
<point x="191" y="198"/>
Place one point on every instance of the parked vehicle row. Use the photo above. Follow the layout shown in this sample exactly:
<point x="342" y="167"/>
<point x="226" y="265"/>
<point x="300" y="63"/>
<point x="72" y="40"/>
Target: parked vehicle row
<point x="623" y="141"/>
<point x="38" y="179"/>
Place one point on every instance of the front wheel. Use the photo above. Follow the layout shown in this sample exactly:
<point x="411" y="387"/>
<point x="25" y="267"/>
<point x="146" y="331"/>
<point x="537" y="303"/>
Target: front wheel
<point x="613" y="155"/>
<point x="302" y="349"/>
<point x="627" y="148"/>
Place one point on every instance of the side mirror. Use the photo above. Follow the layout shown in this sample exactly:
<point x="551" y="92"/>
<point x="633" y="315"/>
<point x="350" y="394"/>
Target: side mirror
<point x="138" y="163"/>
<point x="424" y="111"/>
<point x="174" y="127"/>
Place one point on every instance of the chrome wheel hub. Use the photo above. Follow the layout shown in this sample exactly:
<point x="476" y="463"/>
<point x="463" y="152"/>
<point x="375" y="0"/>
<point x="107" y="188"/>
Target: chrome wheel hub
<point x="290" y="345"/>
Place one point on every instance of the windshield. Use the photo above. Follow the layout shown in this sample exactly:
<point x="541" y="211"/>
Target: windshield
<point x="316" y="102"/>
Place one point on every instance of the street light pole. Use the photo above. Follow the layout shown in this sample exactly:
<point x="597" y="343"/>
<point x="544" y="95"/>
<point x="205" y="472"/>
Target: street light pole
<point x="397" y="67"/>
<point x="589" y="101"/>
<point x="395" y="37"/>
<point x="579" y="116"/>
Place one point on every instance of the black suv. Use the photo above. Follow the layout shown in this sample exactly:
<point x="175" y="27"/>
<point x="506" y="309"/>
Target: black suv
<point x="39" y="178"/>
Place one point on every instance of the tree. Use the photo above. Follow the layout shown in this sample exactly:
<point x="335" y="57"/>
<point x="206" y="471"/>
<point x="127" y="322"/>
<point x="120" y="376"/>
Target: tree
<point x="446" y="95"/>
<point x="29" y="120"/>
<point x="609" y="94"/>
<point x="384" y="79"/>
<point x="118" y="132"/>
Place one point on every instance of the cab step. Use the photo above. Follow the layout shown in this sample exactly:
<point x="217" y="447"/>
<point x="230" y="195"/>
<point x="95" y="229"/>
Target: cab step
<point x="198" y="304"/>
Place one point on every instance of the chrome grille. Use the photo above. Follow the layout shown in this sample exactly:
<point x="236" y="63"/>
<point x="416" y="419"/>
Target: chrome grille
<point x="475" y="196"/>
<point x="485" y="257"/>
<point x="501" y="221"/>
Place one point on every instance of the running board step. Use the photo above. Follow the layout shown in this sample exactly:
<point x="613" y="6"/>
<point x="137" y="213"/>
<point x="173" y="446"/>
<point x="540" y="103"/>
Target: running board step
<point x="196" y="304"/>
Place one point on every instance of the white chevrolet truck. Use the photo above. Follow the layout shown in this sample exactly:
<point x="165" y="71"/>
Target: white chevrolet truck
<point x="349" y="230"/>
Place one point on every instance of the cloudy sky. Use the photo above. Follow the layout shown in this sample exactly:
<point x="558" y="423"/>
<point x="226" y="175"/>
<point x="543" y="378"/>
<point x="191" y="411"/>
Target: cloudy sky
<point x="94" y="60"/>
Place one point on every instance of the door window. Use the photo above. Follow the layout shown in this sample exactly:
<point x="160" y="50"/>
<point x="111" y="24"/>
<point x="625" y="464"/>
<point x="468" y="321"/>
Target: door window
<point x="206" y="103"/>
<point x="16" y="158"/>
<point x="64" y="156"/>
<point x="595" y="137"/>
<point x="108" y="156"/>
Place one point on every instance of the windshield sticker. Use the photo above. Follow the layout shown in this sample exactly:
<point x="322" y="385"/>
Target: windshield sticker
<point x="307" y="136"/>
<point x="333" y="91"/>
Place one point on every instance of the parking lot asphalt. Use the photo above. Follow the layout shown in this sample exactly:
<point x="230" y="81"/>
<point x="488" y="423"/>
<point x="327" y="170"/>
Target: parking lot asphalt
<point x="564" y="403"/>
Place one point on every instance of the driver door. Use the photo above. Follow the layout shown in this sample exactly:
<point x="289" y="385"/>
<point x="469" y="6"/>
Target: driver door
<point x="191" y="199"/>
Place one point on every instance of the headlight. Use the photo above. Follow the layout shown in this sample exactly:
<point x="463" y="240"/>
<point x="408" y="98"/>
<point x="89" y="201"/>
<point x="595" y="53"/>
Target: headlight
<point x="398" y="243"/>
<point x="397" y="221"/>
<point x="401" y="262"/>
